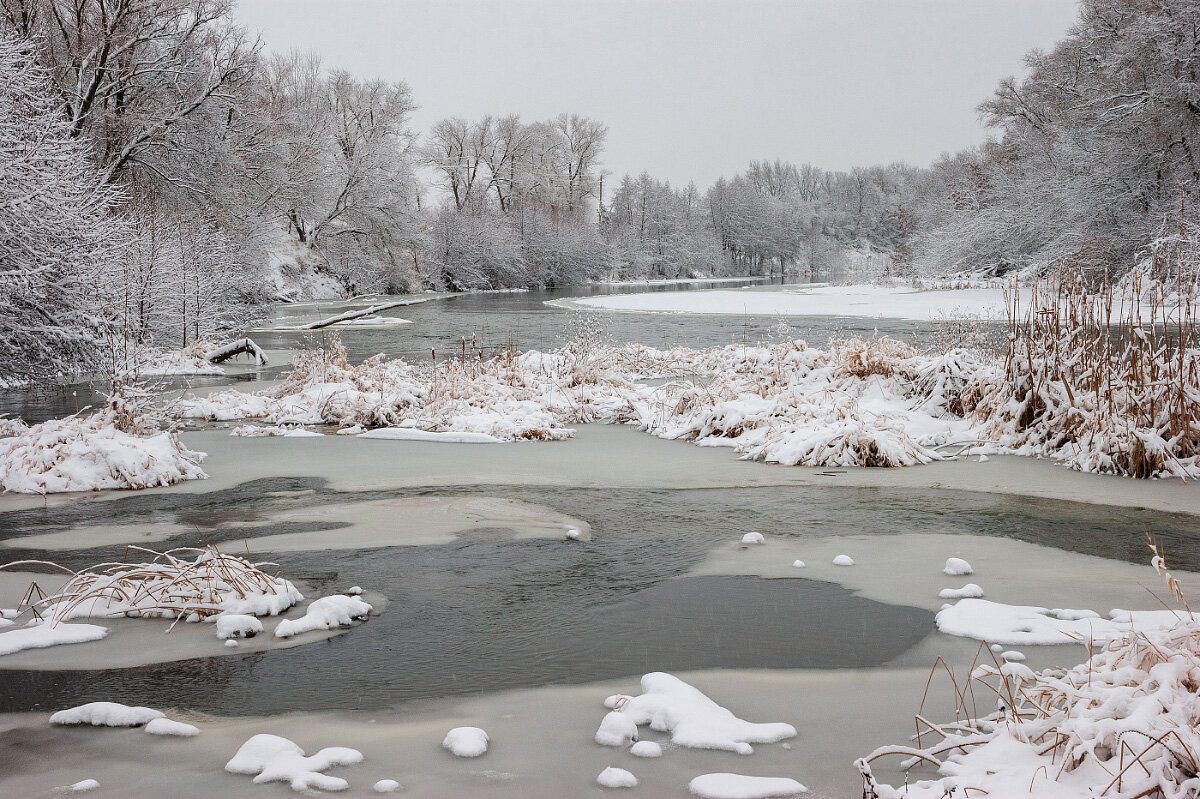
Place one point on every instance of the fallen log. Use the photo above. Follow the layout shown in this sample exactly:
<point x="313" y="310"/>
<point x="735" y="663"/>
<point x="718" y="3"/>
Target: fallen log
<point x="348" y="315"/>
<point x="233" y="348"/>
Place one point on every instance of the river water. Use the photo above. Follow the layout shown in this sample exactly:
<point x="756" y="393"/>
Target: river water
<point x="489" y="611"/>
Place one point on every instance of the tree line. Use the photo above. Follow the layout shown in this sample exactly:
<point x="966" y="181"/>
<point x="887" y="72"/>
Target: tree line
<point x="164" y="178"/>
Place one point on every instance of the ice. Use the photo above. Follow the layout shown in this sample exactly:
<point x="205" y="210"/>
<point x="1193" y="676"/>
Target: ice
<point x="41" y="634"/>
<point x="466" y="741"/>
<point x="237" y="625"/>
<point x="957" y="567"/>
<point x="412" y="434"/>
<point x="646" y="749"/>
<point x="165" y="726"/>
<point x="738" y="786"/>
<point x="386" y="786"/>
<point x="613" y="777"/>
<point x="106" y="714"/>
<point x="1020" y="625"/>
<point x="325" y="613"/>
<point x="968" y="591"/>
<point x="275" y="759"/>
<point x="843" y="560"/>
<point x="752" y="538"/>
<point x="616" y="729"/>
<point x="79" y="787"/>
<point x="668" y="704"/>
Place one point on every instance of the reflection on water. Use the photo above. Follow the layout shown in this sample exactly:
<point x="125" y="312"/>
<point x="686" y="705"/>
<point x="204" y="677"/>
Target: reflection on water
<point x="485" y="613"/>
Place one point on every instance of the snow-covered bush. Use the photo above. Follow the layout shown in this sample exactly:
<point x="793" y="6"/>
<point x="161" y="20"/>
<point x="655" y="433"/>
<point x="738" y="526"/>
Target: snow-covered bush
<point x="115" y="447"/>
<point x="1125" y="723"/>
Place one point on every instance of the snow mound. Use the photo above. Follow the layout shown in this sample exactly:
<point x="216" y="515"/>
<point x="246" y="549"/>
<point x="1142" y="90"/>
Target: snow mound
<point x="1016" y="625"/>
<point x="326" y="613"/>
<point x="843" y="560"/>
<point x="41" y="634"/>
<point x="466" y="741"/>
<point x="616" y="729"/>
<point x="106" y="714"/>
<point x="237" y="625"/>
<point x="613" y="777"/>
<point x="957" y="567"/>
<point x="668" y="704"/>
<point x="797" y="564"/>
<point x="93" y="453"/>
<point x="752" y="538"/>
<point x="968" y="591"/>
<point x="165" y="726"/>
<point x="646" y="749"/>
<point x="275" y="759"/>
<point x="386" y="786"/>
<point x="79" y="787"/>
<point x="738" y="786"/>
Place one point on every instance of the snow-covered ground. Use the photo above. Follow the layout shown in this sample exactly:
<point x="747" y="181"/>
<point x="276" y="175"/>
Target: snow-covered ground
<point x="869" y="301"/>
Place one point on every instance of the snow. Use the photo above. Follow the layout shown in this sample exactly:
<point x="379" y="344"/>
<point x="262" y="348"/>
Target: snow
<point x="968" y="591"/>
<point x="669" y="704"/>
<point x="870" y="301"/>
<point x="646" y="749"/>
<point x="573" y="534"/>
<point x="957" y="567"/>
<point x="193" y="360"/>
<point x="165" y="726"/>
<point x="752" y="538"/>
<point x="1011" y="655"/>
<point x="616" y="729"/>
<point x="797" y="564"/>
<point x="41" y="634"/>
<point x="613" y="777"/>
<point x="79" y="787"/>
<point x="274" y="759"/>
<point x="386" y="786"/>
<point x="843" y="560"/>
<point x="738" y="786"/>
<point x="466" y="741"/>
<point x="1018" y="625"/>
<point x="91" y="454"/>
<point x="237" y="625"/>
<point x="106" y="714"/>
<point x="413" y="434"/>
<point x="354" y="590"/>
<point x="325" y="613"/>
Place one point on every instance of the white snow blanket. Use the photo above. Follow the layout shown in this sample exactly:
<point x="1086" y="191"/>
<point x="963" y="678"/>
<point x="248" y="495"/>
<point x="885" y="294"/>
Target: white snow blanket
<point x="874" y="302"/>
<point x="998" y="623"/>
<point x="668" y="704"/>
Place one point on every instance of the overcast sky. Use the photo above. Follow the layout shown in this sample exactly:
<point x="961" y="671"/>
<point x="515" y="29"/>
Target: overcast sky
<point x="692" y="90"/>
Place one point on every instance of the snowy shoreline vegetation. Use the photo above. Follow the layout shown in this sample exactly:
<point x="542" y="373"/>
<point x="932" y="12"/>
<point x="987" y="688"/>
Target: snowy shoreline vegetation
<point x="1125" y="723"/>
<point x="1100" y="391"/>
<point x="115" y="447"/>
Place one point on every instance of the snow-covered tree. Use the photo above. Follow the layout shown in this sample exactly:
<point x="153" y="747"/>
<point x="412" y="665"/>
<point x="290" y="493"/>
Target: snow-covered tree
<point x="58" y="235"/>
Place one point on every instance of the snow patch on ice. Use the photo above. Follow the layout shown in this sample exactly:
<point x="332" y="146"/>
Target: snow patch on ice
<point x="613" y="777"/>
<point x="165" y="726"/>
<point x="79" y="787"/>
<point x="106" y="714"/>
<point x="413" y="434"/>
<point x="957" y="567"/>
<point x="1019" y="625"/>
<point x="386" y="786"/>
<point x="968" y="591"/>
<point x="738" y="786"/>
<point x="275" y="759"/>
<point x="646" y="749"/>
<point x="752" y="538"/>
<point x="668" y="704"/>
<point x="843" y="560"/>
<point x="237" y="625"/>
<point x="326" y="613"/>
<point x="41" y="634"/>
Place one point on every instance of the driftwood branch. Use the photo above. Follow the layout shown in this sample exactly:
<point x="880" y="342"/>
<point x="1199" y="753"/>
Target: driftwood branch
<point x="233" y="348"/>
<point x="348" y="315"/>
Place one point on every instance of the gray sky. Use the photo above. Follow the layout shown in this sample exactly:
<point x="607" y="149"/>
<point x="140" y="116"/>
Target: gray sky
<point x="692" y="90"/>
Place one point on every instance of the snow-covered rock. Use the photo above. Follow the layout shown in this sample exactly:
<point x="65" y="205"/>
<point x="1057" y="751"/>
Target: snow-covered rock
<point x="237" y="625"/>
<point x="646" y="749"/>
<point x="274" y="759"/>
<point x="738" y="786"/>
<point x="386" y="786"/>
<point x="326" y="613"/>
<point x="752" y="538"/>
<point x="466" y="741"/>
<point x="957" y="567"/>
<point x="106" y="714"/>
<point x="616" y="729"/>
<point x="613" y="777"/>
<point x="165" y="726"/>
<point x="843" y="560"/>
<point x="797" y="564"/>
<point x="668" y="704"/>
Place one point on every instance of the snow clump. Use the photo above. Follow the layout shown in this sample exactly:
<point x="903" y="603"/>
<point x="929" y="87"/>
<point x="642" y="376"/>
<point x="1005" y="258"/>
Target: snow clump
<point x="843" y="560"/>
<point x="386" y="786"/>
<point x="165" y="726"/>
<point x="237" y="625"/>
<point x="326" y="613"/>
<point x="613" y="777"/>
<point x="752" y="538"/>
<point x="106" y="714"/>
<point x="968" y="591"/>
<point x="738" y="786"/>
<point x="957" y="567"/>
<point x="466" y="741"/>
<point x="646" y="749"/>
<point x="274" y="759"/>
<point x="79" y="787"/>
